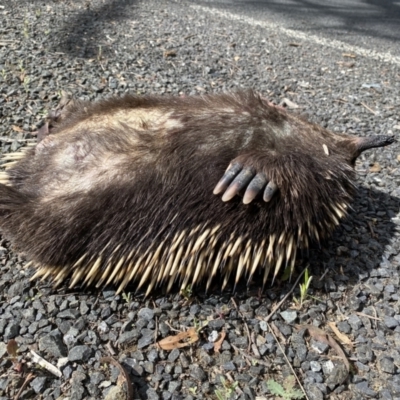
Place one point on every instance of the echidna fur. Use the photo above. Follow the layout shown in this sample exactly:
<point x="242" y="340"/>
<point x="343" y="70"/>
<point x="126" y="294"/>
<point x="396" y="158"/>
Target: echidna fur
<point x="121" y="190"/>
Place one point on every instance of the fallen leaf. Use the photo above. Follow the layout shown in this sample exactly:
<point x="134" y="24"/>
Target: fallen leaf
<point x="323" y="337"/>
<point x="12" y="348"/>
<point x="182" y="339"/>
<point x="218" y="342"/>
<point x="341" y="336"/>
<point x="375" y="168"/>
<point x="16" y="128"/>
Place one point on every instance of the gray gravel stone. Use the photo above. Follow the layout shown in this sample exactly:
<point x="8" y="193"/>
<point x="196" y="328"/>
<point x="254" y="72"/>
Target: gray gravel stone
<point x="315" y="366"/>
<point x="386" y="364"/>
<point x="319" y="346"/>
<point x="344" y="326"/>
<point x="80" y="353"/>
<point x="77" y="392"/>
<point x="96" y="377"/>
<point x="314" y="393"/>
<point x="69" y="314"/>
<point x="128" y="337"/>
<point x="196" y="372"/>
<point x="152" y="394"/>
<point x="241" y="342"/>
<point x="11" y="331"/>
<point x="115" y="393"/>
<point x="38" y="383"/>
<point x="146" y="339"/>
<point x="355" y="322"/>
<point x="146" y="313"/>
<point x="289" y="316"/>
<point x="216" y="324"/>
<point x="391" y="322"/>
<point x="3" y="349"/>
<point x="173" y="355"/>
<point x="364" y="390"/>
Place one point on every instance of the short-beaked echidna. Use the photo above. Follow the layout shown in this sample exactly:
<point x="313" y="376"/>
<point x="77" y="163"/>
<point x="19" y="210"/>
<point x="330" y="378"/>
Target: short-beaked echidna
<point x="136" y="189"/>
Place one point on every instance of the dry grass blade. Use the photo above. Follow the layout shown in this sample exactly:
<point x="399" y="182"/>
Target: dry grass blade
<point x="341" y="336"/>
<point x="321" y="336"/>
<point x="368" y="108"/>
<point x="251" y="358"/>
<point x="28" y="378"/>
<point x="278" y="306"/>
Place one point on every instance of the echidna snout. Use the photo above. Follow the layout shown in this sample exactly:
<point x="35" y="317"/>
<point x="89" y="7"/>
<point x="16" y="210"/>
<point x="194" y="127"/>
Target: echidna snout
<point x="157" y="190"/>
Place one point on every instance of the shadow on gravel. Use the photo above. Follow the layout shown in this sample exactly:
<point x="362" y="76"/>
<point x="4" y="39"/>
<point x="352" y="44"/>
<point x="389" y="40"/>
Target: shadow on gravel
<point x="83" y="33"/>
<point x="361" y="244"/>
<point x="376" y="18"/>
<point x="358" y="247"/>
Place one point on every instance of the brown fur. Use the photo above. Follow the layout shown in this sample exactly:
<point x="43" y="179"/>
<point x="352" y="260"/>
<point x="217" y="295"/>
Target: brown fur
<point x="122" y="190"/>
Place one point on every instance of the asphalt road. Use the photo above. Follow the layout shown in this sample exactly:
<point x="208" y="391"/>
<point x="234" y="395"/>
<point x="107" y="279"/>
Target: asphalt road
<point x="368" y="24"/>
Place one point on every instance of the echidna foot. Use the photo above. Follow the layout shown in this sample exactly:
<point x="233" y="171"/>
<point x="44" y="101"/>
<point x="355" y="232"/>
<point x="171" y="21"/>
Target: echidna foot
<point x="238" y="178"/>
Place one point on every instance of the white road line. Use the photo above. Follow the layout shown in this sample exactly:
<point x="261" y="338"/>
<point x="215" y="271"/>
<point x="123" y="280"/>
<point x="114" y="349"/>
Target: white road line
<point x="336" y="44"/>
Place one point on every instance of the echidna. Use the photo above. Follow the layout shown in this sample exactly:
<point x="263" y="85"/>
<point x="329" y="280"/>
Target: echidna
<point x="155" y="190"/>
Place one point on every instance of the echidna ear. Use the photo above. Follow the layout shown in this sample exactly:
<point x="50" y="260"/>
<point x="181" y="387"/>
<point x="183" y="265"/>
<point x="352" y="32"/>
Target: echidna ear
<point x="365" y="143"/>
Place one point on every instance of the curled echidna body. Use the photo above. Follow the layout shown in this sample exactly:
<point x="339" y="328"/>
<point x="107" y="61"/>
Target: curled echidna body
<point x="136" y="189"/>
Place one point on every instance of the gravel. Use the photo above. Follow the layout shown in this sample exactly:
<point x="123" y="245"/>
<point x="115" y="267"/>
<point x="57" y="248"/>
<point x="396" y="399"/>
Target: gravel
<point x="96" y="48"/>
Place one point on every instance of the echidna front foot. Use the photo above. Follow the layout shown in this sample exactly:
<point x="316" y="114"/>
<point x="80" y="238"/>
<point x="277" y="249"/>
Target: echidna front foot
<point x="239" y="178"/>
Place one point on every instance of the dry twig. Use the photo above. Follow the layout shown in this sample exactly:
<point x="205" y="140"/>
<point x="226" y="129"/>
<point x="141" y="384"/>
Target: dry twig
<point x="29" y="377"/>
<point x="45" y="364"/>
<point x="287" y="361"/>
<point x="277" y="307"/>
<point x="368" y="108"/>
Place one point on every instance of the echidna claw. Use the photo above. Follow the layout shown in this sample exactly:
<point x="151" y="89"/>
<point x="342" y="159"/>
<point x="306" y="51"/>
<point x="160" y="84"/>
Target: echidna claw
<point x="269" y="191"/>
<point x="239" y="183"/>
<point x="255" y="188"/>
<point x="228" y="177"/>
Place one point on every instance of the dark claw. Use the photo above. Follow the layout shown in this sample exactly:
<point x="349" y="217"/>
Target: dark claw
<point x="270" y="191"/>
<point x="255" y="187"/>
<point x="228" y="177"/>
<point x="239" y="183"/>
